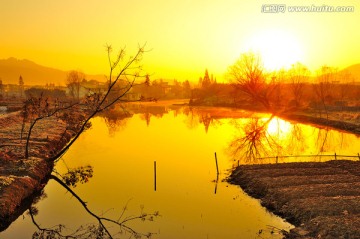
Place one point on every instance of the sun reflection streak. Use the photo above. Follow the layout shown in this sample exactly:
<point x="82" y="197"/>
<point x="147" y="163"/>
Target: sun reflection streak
<point x="279" y="128"/>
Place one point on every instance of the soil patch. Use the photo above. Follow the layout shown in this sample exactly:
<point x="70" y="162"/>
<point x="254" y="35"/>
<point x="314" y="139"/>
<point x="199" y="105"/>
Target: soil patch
<point x="22" y="179"/>
<point x="19" y="181"/>
<point x="321" y="199"/>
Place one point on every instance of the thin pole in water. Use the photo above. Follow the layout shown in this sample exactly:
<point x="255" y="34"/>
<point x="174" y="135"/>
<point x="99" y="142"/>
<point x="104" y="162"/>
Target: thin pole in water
<point x="155" y="175"/>
<point x="217" y="173"/>
<point x="216" y="183"/>
<point x="217" y="167"/>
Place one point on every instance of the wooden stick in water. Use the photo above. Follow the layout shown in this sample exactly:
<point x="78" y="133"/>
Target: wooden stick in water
<point x="155" y="175"/>
<point x="217" y="167"/>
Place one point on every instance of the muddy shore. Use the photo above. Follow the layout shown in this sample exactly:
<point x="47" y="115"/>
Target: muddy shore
<point x="19" y="181"/>
<point x="336" y="121"/>
<point x="321" y="199"/>
<point x="21" y="178"/>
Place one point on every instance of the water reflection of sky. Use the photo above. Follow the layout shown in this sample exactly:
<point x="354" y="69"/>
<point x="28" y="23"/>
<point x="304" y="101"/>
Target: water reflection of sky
<point x="271" y="136"/>
<point x="122" y="146"/>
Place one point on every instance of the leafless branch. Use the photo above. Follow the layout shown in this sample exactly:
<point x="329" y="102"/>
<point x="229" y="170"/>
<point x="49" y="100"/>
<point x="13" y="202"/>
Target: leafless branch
<point x="121" y="223"/>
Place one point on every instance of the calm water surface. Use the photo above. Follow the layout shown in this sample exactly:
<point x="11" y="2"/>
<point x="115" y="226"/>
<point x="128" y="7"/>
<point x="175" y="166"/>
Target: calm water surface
<point x="122" y="149"/>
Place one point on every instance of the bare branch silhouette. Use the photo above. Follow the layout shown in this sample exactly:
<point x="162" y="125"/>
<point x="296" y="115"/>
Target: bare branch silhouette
<point x="256" y="141"/>
<point x="249" y="75"/>
<point x="97" y="103"/>
<point x="101" y="230"/>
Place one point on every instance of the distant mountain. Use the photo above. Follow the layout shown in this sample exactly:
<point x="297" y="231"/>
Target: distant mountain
<point x="354" y="71"/>
<point x="34" y="74"/>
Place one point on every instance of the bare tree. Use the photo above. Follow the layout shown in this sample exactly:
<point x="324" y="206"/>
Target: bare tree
<point x="36" y="109"/>
<point x="73" y="82"/>
<point x="298" y="76"/>
<point x="345" y="88"/>
<point x="124" y="71"/>
<point x="326" y="77"/>
<point x="249" y="76"/>
<point x="274" y="91"/>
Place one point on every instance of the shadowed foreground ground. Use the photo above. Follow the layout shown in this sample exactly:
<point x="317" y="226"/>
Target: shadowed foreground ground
<point x="21" y="179"/>
<point x="321" y="199"/>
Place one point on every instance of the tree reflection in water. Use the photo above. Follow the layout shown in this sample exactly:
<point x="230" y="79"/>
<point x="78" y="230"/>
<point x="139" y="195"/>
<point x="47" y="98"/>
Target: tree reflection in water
<point x="116" y="118"/>
<point x="255" y="142"/>
<point x="326" y="139"/>
<point x="148" y="111"/>
<point x="297" y="136"/>
<point x="196" y="116"/>
<point x="104" y="228"/>
<point x="272" y="139"/>
<point x="258" y="137"/>
<point x="207" y="119"/>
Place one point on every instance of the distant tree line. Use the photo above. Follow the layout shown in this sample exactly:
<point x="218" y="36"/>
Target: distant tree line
<point x="161" y="90"/>
<point x="78" y="87"/>
<point x="251" y="86"/>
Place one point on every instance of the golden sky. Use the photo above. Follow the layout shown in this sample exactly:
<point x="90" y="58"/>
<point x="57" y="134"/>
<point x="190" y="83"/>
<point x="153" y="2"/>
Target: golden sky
<point x="185" y="36"/>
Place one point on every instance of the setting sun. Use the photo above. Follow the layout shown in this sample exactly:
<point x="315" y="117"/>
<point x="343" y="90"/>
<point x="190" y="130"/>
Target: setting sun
<point x="278" y="49"/>
<point x="184" y="38"/>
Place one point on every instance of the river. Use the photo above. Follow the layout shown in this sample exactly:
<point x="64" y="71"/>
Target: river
<point x="122" y="147"/>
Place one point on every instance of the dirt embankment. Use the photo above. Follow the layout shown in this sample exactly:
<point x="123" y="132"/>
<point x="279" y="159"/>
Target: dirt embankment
<point x="321" y="199"/>
<point x="349" y="122"/>
<point x="21" y="178"/>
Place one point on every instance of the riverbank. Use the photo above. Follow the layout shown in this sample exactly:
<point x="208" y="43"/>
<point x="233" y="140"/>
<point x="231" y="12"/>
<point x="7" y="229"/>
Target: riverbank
<point x="344" y="121"/>
<point x="21" y="178"/>
<point x="19" y="181"/>
<point x="344" y="118"/>
<point x="321" y="199"/>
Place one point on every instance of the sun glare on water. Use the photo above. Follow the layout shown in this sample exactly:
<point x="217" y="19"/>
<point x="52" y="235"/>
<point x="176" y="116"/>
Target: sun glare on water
<point x="278" y="49"/>
<point x="279" y="127"/>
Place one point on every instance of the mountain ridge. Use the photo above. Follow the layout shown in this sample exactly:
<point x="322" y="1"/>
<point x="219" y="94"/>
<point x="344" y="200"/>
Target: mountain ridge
<point x="34" y="74"/>
<point x="354" y="71"/>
